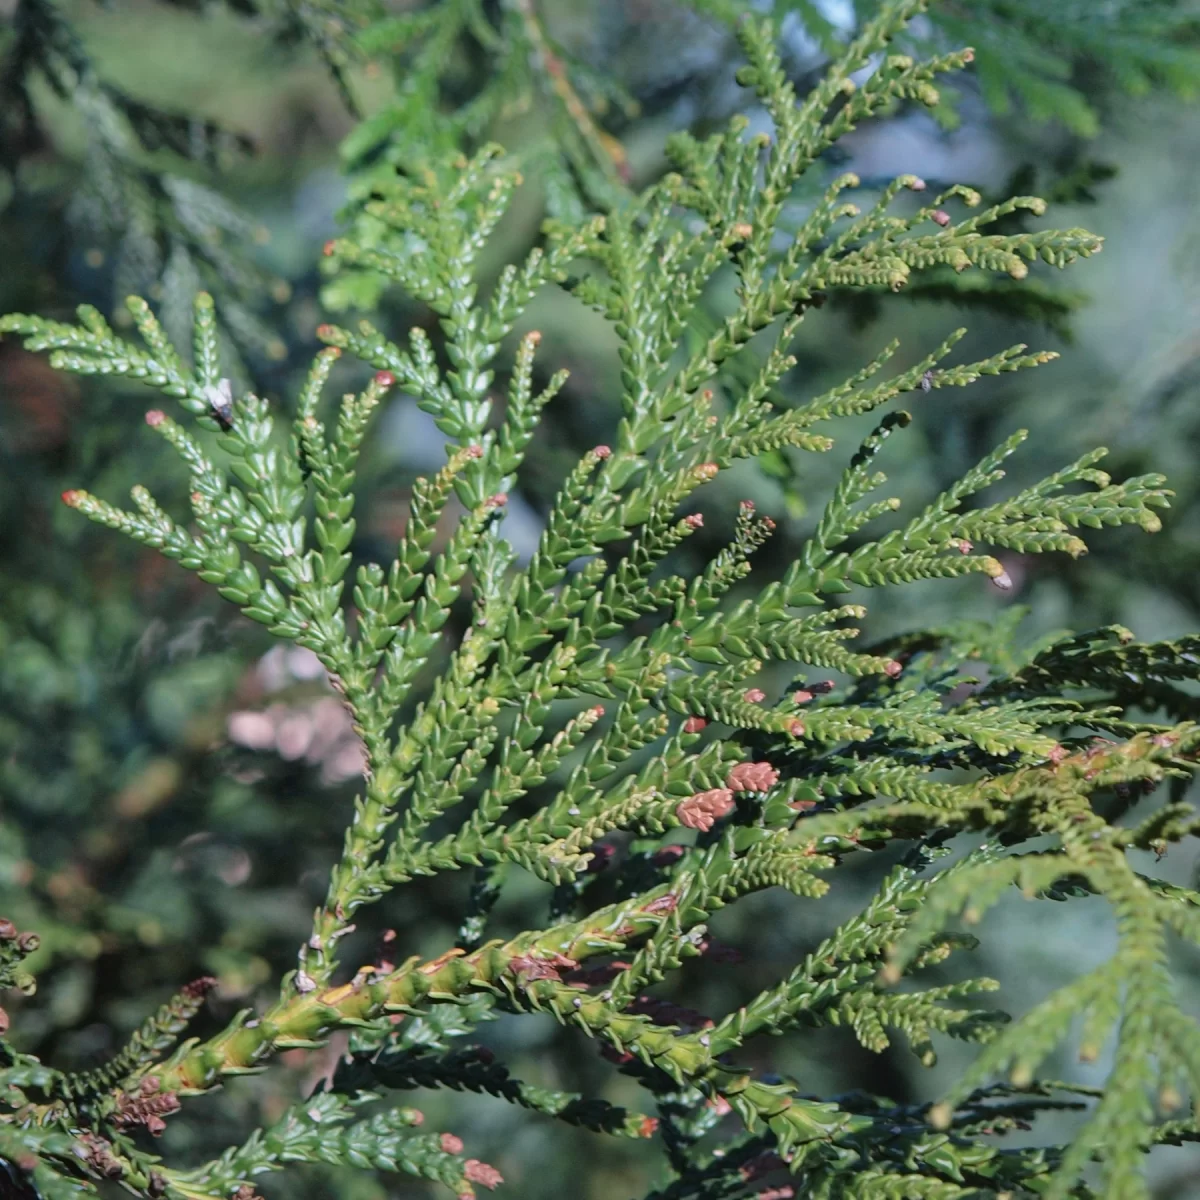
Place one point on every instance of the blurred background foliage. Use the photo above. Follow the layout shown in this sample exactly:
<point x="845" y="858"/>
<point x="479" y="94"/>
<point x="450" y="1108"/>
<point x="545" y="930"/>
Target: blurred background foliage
<point x="173" y="789"/>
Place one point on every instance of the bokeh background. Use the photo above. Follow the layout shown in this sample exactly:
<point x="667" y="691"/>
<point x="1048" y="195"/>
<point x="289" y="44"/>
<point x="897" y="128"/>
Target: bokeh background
<point x="173" y="786"/>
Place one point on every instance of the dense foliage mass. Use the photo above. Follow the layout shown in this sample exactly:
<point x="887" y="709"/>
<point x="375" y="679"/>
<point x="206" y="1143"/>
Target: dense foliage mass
<point x="638" y="747"/>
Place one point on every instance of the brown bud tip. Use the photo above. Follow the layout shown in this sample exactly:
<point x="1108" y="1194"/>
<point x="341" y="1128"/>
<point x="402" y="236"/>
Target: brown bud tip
<point x="385" y="379"/>
<point x="150" y="1085"/>
<point x="482" y="1173"/>
<point x="802" y="696"/>
<point x="741" y="230"/>
<point x="706" y="396"/>
<point x="474" y="451"/>
<point x="754" y="696"/>
<point x="796" y="728"/>
<point x="768" y="523"/>
<point x="603" y="452"/>
<point x="968" y="54"/>
<point x="706" y="471"/>
<point x="329" y="248"/>
<point x="668" y="855"/>
<point x="965" y="546"/>
<point x="534" y="337"/>
<point x="324" y="331"/>
<point x="499" y="500"/>
<point x="450" y="1143"/>
<point x="73" y="498"/>
<point x="28" y="941"/>
<point x="199" y="987"/>
<point x="8" y="930"/>
<point x="694" y="521"/>
<point x="893" y="668"/>
<point x="694" y="724"/>
<point x="649" y="1126"/>
<point x="940" y="217"/>
<point x="155" y="417"/>
<point x="597" y="711"/>
<point x="746" y="506"/>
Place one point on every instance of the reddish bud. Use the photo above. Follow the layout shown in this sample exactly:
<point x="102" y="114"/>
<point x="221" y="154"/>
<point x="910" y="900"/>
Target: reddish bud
<point x="917" y="184"/>
<point x="385" y="379"/>
<point x="939" y="217"/>
<point x="474" y="452"/>
<point x="324" y="332"/>
<point x="768" y="523"/>
<point x="603" y="452"/>
<point x="752" y="777"/>
<point x="499" y="500"/>
<point x="893" y="668"/>
<point x="694" y="521"/>
<point x="3" y="1022"/>
<point x="648" y="1127"/>
<point x="73" y="497"/>
<point x="620" y="1057"/>
<point x="481" y="1173"/>
<point x="694" y="724"/>
<point x="668" y="855"/>
<point x="597" y="711"/>
<point x="706" y="471"/>
<point x="703" y="810"/>
<point x="199" y="987"/>
<point x="450" y="1143"/>
<point x="329" y="248"/>
<point x="802" y="696"/>
<point x="667" y="902"/>
<point x="754" y="696"/>
<point x="746" y="506"/>
<point x="155" y="417"/>
<point x="796" y="728"/>
<point x="8" y="930"/>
